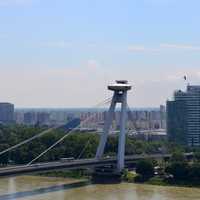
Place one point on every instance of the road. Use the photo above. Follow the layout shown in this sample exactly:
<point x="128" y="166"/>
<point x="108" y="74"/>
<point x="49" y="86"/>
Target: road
<point x="74" y="164"/>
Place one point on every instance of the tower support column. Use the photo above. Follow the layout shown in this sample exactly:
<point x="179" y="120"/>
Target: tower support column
<point x="120" y="89"/>
<point x="108" y="122"/>
<point x="122" y="135"/>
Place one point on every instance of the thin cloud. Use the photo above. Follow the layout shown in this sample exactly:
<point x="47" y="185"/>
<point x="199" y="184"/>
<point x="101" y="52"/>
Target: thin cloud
<point x="180" y="46"/>
<point x="57" y="44"/>
<point x="162" y="47"/>
<point x="141" y="48"/>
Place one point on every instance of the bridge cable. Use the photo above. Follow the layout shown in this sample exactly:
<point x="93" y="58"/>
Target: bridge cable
<point x="62" y="138"/>
<point x="41" y="133"/>
<point x="88" y="142"/>
<point x="27" y="141"/>
<point x="83" y="150"/>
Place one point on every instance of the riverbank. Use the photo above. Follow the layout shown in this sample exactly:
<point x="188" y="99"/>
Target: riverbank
<point x="160" y="181"/>
<point x="76" y="174"/>
<point x="128" y="177"/>
<point x="132" y="177"/>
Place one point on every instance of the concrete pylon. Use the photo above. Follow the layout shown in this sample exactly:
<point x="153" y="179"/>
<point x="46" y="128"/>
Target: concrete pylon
<point x="120" y="89"/>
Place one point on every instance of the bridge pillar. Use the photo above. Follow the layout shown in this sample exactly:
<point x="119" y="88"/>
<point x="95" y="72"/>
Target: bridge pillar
<point x="120" y="89"/>
<point x="107" y="124"/>
<point x="122" y="135"/>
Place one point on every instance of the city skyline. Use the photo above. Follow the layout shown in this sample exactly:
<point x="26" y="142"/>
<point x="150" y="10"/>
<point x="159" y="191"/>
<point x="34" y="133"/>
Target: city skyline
<point x="151" y="43"/>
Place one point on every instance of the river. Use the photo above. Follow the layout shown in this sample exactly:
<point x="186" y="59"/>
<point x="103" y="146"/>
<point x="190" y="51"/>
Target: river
<point x="44" y="188"/>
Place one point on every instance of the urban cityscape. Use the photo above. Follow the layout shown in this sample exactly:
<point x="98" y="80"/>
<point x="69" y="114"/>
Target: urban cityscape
<point x="177" y="121"/>
<point x="144" y="119"/>
<point x="99" y="100"/>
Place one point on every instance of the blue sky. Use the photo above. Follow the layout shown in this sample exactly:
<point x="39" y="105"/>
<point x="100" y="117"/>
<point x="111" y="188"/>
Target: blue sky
<point x="46" y="45"/>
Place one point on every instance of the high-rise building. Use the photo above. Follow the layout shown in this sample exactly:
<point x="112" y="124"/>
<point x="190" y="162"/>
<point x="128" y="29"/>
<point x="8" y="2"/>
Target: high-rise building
<point x="162" y="117"/>
<point x="30" y="118"/>
<point x="19" y="117"/>
<point x="183" y="116"/>
<point x="6" y="113"/>
<point x="43" y="118"/>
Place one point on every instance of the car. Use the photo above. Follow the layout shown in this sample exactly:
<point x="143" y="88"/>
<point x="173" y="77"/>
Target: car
<point x="67" y="159"/>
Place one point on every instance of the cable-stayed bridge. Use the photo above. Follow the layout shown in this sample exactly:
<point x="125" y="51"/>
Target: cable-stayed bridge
<point x="79" y="164"/>
<point x="120" y="89"/>
<point x="74" y="164"/>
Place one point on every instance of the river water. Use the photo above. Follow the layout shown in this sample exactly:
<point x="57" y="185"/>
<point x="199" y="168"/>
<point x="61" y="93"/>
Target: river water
<point x="43" y="188"/>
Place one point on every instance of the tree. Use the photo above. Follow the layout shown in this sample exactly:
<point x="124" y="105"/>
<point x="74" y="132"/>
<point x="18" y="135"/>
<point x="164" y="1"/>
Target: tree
<point x="194" y="172"/>
<point x="177" y="156"/>
<point x="5" y="157"/>
<point x="179" y="170"/>
<point x="197" y="156"/>
<point x="145" y="168"/>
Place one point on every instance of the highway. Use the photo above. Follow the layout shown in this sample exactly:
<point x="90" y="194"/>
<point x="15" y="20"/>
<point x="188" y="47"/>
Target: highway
<point x="74" y="164"/>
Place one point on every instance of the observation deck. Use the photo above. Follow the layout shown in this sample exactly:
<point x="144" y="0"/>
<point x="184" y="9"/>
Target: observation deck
<point x="120" y="85"/>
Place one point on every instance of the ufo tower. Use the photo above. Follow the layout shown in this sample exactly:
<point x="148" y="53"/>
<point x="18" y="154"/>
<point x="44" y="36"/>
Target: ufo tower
<point x="120" y="89"/>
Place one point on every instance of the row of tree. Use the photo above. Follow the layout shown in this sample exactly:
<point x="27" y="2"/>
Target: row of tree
<point x="183" y="170"/>
<point x="177" y="170"/>
<point x="72" y="146"/>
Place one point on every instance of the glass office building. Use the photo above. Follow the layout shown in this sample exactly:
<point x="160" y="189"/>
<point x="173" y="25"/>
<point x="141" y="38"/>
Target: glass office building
<point x="183" y="116"/>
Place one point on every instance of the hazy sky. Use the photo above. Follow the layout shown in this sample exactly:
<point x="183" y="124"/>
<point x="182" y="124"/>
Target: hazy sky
<point x="63" y="53"/>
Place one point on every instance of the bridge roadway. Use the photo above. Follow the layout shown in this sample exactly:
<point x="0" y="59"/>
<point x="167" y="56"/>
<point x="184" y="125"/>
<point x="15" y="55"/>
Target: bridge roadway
<point x="75" y="164"/>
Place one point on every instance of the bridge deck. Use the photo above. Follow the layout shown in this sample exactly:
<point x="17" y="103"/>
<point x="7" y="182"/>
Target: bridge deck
<point x="75" y="164"/>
